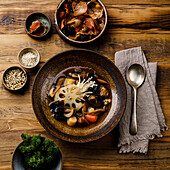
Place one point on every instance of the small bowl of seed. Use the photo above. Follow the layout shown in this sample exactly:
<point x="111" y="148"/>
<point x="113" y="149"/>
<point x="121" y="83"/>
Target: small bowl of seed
<point x="15" y="78"/>
<point x="28" y="57"/>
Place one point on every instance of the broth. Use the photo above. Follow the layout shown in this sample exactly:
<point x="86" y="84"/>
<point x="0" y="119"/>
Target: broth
<point x="79" y="96"/>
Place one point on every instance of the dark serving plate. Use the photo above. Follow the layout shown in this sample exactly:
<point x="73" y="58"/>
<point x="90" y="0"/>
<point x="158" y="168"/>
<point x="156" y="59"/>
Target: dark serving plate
<point x="44" y="80"/>
<point x="18" y="161"/>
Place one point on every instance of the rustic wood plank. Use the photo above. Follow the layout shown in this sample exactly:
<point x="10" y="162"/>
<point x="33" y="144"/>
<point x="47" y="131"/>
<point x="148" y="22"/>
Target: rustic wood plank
<point x="134" y="18"/>
<point x="156" y="46"/>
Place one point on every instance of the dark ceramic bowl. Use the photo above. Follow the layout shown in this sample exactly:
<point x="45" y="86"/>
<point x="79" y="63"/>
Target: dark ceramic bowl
<point x="18" y="161"/>
<point x="45" y="78"/>
<point x="40" y="17"/>
<point x="14" y="68"/>
<point x="62" y="35"/>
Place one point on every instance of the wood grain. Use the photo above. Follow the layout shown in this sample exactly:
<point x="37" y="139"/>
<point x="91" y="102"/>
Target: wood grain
<point x="131" y="23"/>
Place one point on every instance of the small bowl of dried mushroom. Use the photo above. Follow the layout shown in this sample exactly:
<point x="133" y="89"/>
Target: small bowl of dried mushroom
<point x="37" y="25"/>
<point x="28" y="57"/>
<point x="14" y="78"/>
<point x="80" y="21"/>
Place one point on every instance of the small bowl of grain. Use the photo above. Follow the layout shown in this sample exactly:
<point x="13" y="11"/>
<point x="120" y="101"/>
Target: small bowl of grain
<point x="28" y="57"/>
<point x="15" y="78"/>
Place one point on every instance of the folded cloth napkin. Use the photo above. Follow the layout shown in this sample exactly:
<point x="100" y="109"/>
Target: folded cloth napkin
<point x="150" y="118"/>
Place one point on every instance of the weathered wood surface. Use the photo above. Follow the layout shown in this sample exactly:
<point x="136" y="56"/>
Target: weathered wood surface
<point x="144" y="23"/>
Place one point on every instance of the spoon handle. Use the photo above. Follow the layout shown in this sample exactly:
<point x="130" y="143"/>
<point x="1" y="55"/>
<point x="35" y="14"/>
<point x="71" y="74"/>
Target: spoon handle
<point x="133" y="125"/>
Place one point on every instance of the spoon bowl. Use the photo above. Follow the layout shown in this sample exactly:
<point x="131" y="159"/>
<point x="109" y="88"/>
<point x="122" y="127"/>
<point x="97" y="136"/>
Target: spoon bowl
<point x="135" y="77"/>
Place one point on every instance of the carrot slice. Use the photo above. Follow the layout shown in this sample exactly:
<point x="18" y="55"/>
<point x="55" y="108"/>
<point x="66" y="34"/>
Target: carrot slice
<point x="91" y="118"/>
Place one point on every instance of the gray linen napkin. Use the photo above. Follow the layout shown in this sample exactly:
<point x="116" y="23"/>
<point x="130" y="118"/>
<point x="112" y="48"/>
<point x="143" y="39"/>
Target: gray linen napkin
<point x="150" y="118"/>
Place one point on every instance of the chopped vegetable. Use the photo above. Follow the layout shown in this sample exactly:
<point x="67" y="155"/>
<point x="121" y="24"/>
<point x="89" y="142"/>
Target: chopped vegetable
<point x="91" y="118"/>
<point x="39" y="153"/>
<point x="72" y="121"/>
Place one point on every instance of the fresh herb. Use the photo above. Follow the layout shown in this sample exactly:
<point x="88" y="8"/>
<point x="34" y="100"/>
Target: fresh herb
<point x="39" y="153"/>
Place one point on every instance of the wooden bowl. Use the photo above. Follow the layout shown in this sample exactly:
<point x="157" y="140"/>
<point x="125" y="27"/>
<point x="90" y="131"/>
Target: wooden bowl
<point x="45" y="78"/>
<point x="40" y="17"/>
<point x="66" y="38"/>
<point x="26" y="50"/>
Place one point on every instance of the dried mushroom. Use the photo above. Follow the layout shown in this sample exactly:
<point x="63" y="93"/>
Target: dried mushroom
<point x="95" y="10"/>
<point x="80" y="8"/>
<point x="81" y="20"/>
<point x="37" y="28"/>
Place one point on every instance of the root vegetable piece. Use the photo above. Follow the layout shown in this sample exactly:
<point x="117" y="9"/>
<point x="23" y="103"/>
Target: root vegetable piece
<point x="91" y="118"/>
<point x="72" y="121"/>
<point x="53" y="91"/>
<point x="68" y="112"/>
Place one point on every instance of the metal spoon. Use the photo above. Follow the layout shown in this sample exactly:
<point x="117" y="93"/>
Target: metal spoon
<point x="135" y="77"/>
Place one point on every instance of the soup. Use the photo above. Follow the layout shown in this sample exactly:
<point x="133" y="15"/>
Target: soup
<point x="79" y="96"/>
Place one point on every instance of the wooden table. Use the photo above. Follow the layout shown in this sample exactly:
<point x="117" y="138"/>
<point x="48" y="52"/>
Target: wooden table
<point x="131" y="23"/>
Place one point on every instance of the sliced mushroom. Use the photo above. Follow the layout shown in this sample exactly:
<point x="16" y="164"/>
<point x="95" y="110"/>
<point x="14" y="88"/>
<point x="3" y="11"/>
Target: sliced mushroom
<point x="101" y="26"/>
<point x="96" y="11"/>
<point x="104" y="92"/>
<point x="75" y="22"/>
<point x="68" y="112"/>
<point x="53" y="91"/>
<point x="80" y="8"/>
<point x="74" y="75"/>
<point x="89" y="23"/>
<point x="96" y="112"/>
<point x="60" y="81"/>
<point x="82" y="121"/>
